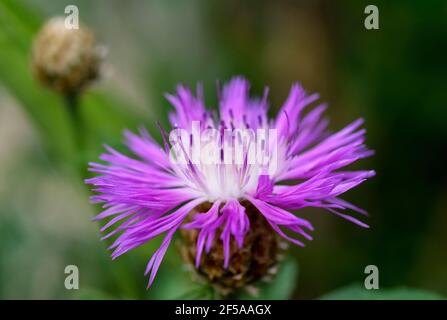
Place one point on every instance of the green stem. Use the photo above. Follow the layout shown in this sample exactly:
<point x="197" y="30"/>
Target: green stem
<point x="72" y="103"/>
<point x="73" y="107"/>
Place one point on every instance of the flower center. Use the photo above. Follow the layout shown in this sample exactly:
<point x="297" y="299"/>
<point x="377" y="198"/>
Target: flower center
<point x="224" y="163"/>
<point x="256" y="259"/>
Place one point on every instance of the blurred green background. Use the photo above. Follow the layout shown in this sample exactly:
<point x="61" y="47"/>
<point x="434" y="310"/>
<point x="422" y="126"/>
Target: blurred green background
<point x="394" y="77"/>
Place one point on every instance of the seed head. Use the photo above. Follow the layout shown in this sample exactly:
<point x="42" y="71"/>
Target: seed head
<point x="63" y="59"/>
<point x="253" y="261"/>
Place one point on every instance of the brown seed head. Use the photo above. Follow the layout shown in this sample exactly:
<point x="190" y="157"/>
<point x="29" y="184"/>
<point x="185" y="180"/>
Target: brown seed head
<point x="63" y="59"/>
<point x="256" y="259"/>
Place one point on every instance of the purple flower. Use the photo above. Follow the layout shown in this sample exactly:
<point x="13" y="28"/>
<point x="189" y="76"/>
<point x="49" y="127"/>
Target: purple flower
<point x="156" y="193"/>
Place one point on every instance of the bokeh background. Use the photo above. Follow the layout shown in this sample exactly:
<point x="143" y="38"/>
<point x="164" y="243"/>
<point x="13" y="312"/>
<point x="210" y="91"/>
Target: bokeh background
<point x="394" y="77"/>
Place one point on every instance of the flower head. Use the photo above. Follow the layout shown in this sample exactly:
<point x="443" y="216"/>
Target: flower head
<point x="231" y="177"/>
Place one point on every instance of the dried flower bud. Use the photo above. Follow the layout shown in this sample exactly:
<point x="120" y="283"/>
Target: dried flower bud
<point x="256" y="259"/>
<point x="65" y="60"/>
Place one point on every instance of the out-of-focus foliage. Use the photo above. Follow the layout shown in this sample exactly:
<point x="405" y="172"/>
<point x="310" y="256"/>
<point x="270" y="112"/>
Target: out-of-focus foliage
<point x="358" y="292"/>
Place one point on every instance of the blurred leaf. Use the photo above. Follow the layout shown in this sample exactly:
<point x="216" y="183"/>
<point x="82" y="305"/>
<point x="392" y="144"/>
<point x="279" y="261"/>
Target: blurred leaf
<point x="92" y="294"/>
<point x="358" y="292"/>
<point x="202" y="292"/>
<point x="173" y="282"/>
<point x="282" y="285"/>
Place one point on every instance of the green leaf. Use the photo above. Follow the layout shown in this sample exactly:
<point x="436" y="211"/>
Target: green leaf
<point x="199" y="292"/>
<point x="44" y="107"/>
<point x="92" y="294"/>
<point x="282" y="285"/>
<point x="172" y="284"/>
<point x="358" y="292"/>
